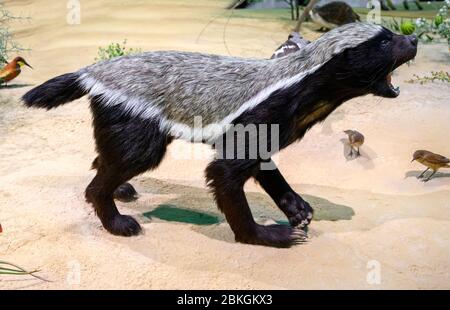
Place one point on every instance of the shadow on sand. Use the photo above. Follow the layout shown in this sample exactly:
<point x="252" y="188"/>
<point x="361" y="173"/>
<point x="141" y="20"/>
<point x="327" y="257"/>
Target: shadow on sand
<point x="193" y="205"/>
<point x="416" y="173"/>
<point x="172" y="213"/>
<point x="196" y="205"/>
<point x="12" y="86"/>
<point x="365" y="159"/>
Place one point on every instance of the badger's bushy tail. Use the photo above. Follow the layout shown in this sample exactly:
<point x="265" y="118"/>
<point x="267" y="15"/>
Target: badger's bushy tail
<point x="55" y="92"/>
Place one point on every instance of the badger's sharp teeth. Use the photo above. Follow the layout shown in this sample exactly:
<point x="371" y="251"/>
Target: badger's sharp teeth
<point x="396" y="90"/>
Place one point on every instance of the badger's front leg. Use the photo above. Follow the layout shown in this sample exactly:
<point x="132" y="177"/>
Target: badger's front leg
<point x="226" y="178"/>
<point x="297" y="210"/>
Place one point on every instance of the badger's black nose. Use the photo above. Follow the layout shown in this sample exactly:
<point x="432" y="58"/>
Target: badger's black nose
<point x="413" y="39"/>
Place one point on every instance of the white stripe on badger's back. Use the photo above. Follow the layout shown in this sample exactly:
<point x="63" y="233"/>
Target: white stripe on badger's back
<point x="175" y="87"/>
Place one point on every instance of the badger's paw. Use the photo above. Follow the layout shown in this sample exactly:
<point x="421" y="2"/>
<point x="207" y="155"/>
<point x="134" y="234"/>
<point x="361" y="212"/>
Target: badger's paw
<point x="297" y="210"/>
<point x="123" y="225"/>
<point x="125" y="193"/>
<point x="280" y="236"/>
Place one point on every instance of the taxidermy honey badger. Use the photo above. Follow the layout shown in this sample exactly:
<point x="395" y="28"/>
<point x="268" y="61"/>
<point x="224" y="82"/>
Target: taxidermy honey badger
<point x="140" y="103"/>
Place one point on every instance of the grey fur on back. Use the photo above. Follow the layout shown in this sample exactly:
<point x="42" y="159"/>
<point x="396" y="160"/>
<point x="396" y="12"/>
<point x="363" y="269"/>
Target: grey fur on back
<point x="174" y="87"/>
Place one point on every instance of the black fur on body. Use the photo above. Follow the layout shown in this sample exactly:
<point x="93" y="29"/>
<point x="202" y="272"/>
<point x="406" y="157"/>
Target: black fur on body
<point x="128" y="145"/>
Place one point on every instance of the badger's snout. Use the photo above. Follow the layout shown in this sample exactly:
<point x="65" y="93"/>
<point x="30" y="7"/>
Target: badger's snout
<point x="405" y="48"/>
<point x="413" y="39"/>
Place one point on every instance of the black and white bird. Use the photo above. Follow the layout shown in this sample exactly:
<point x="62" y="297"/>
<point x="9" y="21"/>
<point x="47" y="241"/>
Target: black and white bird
<point x="294" y="43"/>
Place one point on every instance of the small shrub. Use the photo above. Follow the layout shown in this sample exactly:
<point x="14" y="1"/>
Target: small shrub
<point x="392" y="24"/>
<point x="114" y="50"/>
<point x="441" y="76"/>
<point x="7" y="43"/>
<point x="435" y="30"/>
<point x="438" y="28"/>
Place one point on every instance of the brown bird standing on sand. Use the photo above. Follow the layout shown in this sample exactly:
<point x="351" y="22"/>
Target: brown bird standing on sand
<point x="355" y="139"/>
<point x="12" y="70"/>
<point x="431" y="161"/>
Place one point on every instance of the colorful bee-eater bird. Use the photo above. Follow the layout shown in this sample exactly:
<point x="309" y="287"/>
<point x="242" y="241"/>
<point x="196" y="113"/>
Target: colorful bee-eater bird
<point x="12" y="70"/>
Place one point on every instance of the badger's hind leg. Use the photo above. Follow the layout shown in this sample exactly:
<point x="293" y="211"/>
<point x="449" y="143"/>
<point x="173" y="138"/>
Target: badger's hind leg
<point x="125" y="192"/>
<point x="127" y="146"/>
<point x="100" y="193"/>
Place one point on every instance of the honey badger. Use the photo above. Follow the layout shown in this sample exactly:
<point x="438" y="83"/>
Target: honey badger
<point x="141" y="103"/>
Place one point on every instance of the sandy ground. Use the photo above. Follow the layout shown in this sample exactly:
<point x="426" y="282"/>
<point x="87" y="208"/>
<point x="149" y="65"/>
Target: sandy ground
<point x="376" y="226"/>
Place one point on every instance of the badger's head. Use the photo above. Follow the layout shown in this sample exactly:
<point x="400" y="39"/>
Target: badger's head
<point x="363" y="57"/>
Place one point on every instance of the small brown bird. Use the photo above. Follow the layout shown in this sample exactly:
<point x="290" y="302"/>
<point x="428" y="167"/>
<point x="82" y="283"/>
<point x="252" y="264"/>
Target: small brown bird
<point x="12" y="70"/>
<point x="431" y="161"/>
<point x="355" y="139"/>
<point x="333" y="14"/>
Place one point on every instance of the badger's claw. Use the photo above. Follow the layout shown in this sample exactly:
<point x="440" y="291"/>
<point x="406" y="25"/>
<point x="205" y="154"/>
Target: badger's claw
<point x="281" y="236"/>
<point x="297" y="210"/>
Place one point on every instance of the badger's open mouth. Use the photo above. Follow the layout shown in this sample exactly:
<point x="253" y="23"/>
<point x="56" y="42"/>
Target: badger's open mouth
<point x="404" y="49"/>
<point x="384" y="87"/>
<point x="396" y="90"/>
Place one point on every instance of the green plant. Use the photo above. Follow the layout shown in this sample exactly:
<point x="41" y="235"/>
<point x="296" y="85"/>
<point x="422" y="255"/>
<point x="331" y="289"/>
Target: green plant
<point x="438" y="28"/>
<point x="407" y="28"/>
<point x="441" y="76"/>
<point x="392" y="24"/>
<point x="115" y="50"/>
<point x="439" y="19"/>
<point x="427" y="30"/>
<point x="7" y="43"/>
<point x="7" y="268"/>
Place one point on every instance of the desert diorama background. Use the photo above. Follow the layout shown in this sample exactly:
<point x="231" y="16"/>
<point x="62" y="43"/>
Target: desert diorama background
<point x="370" y="211"/>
